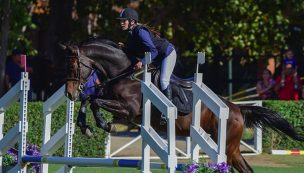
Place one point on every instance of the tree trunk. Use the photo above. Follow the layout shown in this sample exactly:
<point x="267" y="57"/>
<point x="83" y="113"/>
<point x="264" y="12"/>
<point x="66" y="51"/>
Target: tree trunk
<point x="4" y="41"/>
<point x="59" y="31"/>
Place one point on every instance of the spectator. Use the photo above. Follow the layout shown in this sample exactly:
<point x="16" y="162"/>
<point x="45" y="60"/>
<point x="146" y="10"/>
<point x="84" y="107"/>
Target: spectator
<point x="265" y="87"/>
<point x="13" y="69"/>
<point x="288" y="84"/>
<point x="289" y="59"/>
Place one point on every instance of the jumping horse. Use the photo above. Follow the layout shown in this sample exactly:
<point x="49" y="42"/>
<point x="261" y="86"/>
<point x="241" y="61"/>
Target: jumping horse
<point x="124" y="99"/>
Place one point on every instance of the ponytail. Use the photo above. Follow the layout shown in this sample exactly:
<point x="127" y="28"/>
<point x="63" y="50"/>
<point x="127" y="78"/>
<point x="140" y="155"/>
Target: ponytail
<point x="151" y="29"/>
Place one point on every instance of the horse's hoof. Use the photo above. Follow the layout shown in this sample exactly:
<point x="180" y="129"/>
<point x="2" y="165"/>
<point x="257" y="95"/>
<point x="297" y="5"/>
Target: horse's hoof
<point x="87" y="132"/>
<point x="111" y="128"/>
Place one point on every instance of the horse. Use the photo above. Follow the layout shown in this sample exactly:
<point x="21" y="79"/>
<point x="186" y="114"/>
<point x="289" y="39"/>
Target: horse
<point x="124" y="99"/>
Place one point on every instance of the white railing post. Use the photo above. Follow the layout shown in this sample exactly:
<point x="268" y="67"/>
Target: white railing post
<point x="23" y="123"/>
<point x="64" y="136"/>
<point x="166" y="151"/>
<point x="18" y="132"/>
<point x="200" y="138"/>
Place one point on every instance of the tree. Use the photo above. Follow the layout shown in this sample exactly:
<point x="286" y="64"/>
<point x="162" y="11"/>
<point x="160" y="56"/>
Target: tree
<point x="4" y="41"/>
<point x="16" y="18"/>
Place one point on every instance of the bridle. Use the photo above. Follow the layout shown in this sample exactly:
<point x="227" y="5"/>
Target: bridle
<point x="78" y="56"/>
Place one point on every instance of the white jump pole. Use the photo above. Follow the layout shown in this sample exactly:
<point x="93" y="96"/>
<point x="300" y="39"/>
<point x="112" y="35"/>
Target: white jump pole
<point x="18" y="132"/>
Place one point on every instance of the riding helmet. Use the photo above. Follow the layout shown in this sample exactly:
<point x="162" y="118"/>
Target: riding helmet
<point x="128" y="13"/>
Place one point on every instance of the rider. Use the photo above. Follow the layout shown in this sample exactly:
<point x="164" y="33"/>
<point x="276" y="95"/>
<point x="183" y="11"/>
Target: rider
<point x="140" y="40"/>
<point x="90" y="91"/>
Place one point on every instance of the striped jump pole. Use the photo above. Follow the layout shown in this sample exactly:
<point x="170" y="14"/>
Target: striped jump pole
<point x="287" y="152"/>
<point x="92" y="162"/>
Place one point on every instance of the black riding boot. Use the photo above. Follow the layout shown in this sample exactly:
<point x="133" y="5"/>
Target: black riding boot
<point x="168" y="92"/>
<point x="100" y="121"/>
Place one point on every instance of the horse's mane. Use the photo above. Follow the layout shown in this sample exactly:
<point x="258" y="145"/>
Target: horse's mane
<point x="98" y="40"/>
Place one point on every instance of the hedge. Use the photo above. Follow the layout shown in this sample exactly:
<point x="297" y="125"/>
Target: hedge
<point x="94" y="147"/>
<point x="82" y="146"/>
<point x="293" y="111"/>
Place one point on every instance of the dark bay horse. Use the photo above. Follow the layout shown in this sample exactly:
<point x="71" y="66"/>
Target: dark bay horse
<point x="123" y="98"/>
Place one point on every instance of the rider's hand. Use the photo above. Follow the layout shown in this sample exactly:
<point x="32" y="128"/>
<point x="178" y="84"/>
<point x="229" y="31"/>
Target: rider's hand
<point x="138" y="65"/>
<point x="121" y="45"/>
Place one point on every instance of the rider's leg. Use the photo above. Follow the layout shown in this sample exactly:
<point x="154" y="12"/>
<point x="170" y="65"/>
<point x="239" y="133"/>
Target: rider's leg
<point x="166" y="70"/>
<point x="100" y="120"/>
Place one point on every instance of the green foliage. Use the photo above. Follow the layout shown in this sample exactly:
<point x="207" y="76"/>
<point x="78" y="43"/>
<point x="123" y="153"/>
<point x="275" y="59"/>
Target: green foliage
<point x="8" y="160"/>
<point x="20" y="21"/>
<point x="81" y="145"/>
<point x="293" y="112"/>
<point x="256" y="27"/>
<point x="201" y="25"/>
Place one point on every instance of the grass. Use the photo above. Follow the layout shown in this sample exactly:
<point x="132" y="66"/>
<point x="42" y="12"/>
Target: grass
<point x="54" y="168"/>
<point x="278" y="170"/>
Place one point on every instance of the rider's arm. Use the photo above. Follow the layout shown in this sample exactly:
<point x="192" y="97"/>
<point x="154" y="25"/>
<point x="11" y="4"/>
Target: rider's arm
<point x="147" y="43"/>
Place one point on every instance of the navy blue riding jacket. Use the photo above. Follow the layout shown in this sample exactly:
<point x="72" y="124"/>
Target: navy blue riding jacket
<point x="141" y="40"/>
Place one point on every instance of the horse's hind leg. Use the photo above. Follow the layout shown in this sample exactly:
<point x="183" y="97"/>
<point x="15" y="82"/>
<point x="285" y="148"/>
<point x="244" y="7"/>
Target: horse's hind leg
<point x="240" y="164"/>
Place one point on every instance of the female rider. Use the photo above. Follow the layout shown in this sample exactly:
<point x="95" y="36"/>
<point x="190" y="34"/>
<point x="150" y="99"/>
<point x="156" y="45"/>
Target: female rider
<point x="141" y="40"/>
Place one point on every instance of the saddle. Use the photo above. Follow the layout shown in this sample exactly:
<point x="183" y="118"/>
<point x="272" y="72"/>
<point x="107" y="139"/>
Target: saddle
<point x="181" y="90"/>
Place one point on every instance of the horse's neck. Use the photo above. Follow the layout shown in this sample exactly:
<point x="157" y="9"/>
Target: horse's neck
<point x="113" y="63"/>
<point x="112" y="60"/>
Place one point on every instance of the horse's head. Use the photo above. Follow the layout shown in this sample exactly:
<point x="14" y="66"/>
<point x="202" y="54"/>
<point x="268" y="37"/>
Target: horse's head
<point x="96" y="53"/>
<point x="79" y="68"/>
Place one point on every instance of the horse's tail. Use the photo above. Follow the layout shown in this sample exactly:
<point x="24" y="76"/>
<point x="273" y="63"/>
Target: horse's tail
<point x="263" y="117"/>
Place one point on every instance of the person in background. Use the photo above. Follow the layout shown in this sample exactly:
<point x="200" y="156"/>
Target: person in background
<point x="265" y="87"/>
<point x="13" y="69"/>
<point x="142" y="39"/>
<point x="291" y="88"/>
<point x="289" y="59"/>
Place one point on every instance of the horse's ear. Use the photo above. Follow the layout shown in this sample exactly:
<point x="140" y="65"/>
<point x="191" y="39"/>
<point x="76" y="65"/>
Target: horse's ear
<point x="64" y="47"/>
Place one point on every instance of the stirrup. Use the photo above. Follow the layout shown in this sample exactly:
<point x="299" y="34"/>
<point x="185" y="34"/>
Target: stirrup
<point x="163" y="120"/>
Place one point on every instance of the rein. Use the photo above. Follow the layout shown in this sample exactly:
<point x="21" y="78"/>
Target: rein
<point x="100" y="68"/>
<point x="132" y="73"/>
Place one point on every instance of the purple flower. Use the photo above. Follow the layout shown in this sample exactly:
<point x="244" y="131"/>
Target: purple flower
<point x="32" y="150"/>
<point x="191" y="168"/>
<point x="209" y="167"/>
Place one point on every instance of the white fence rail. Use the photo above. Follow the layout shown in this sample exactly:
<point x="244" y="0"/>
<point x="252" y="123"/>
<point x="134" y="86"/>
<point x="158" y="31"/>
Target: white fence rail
<point x="166" y="151"/>
<point x="64" y="135"/>
<point x="200" y="138"/>
<point x="18" y="132"/>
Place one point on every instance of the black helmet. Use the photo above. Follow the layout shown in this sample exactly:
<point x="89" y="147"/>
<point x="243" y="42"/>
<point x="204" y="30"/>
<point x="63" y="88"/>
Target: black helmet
<point x="128" y="13"/>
